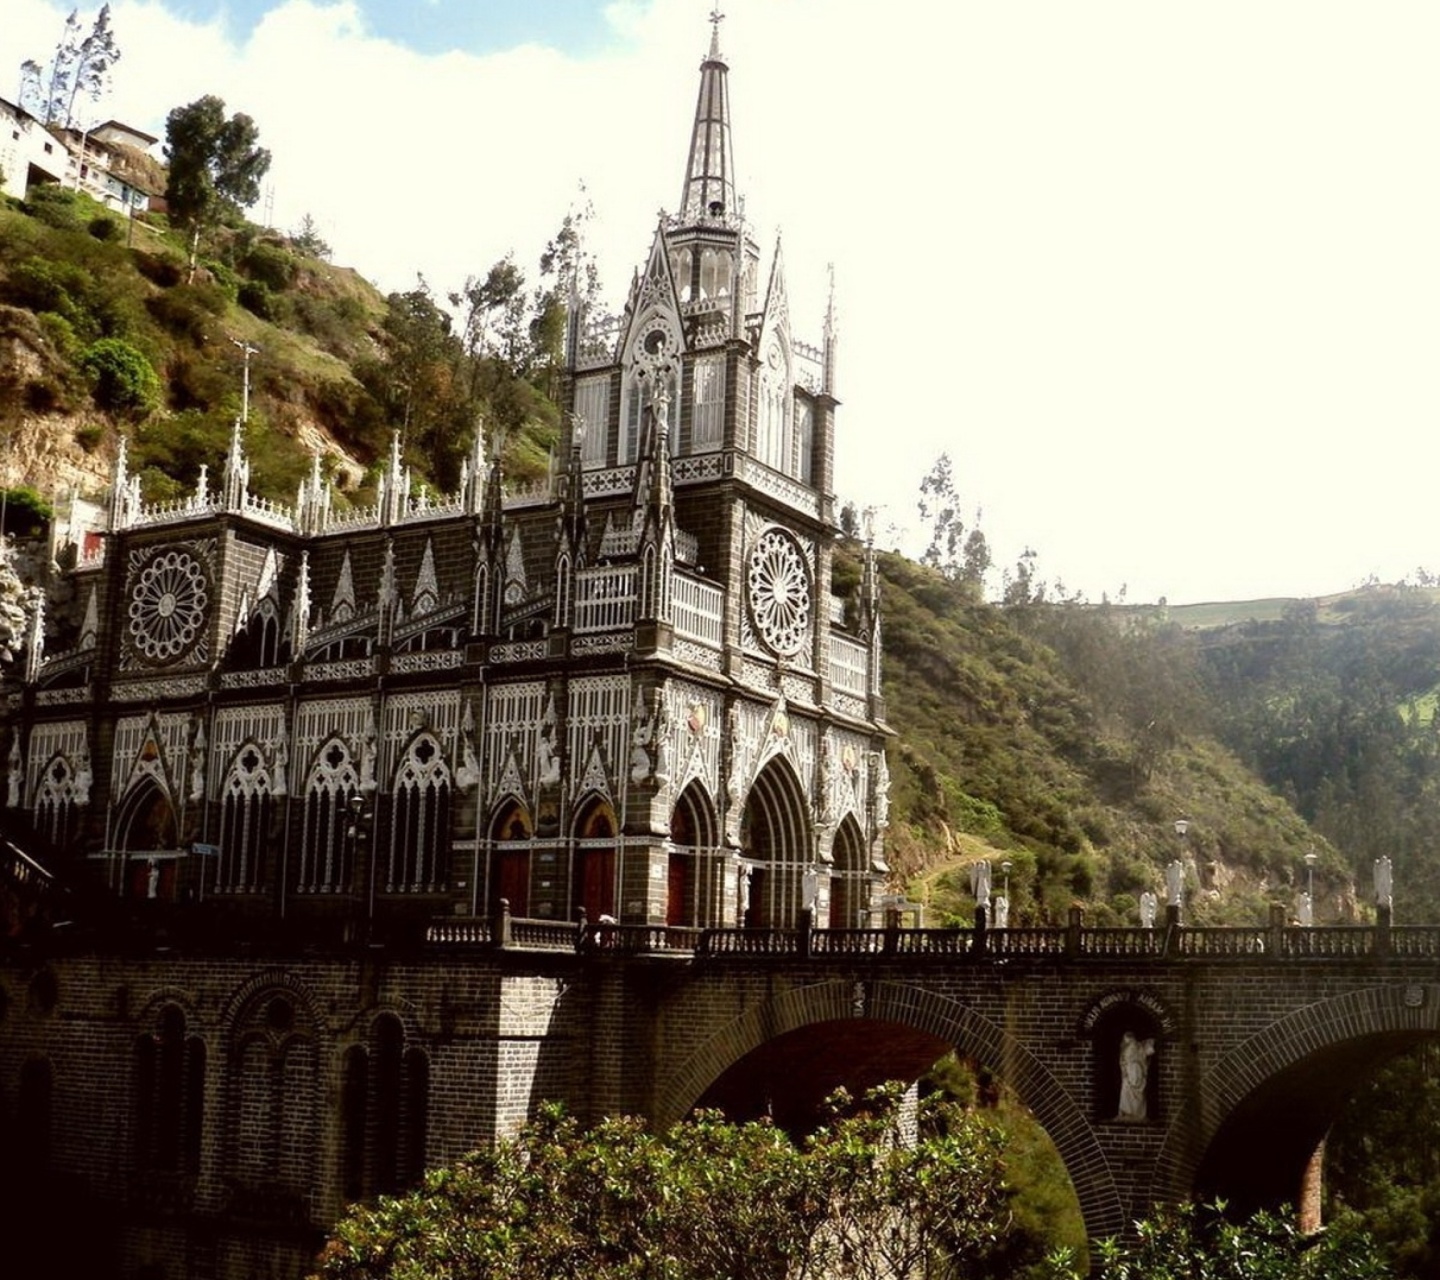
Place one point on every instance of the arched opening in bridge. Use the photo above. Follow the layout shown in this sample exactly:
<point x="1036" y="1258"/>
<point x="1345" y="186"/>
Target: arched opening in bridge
<point x="849" y="878"/>
<point x="775" y="838"/>
<point x="692" y="874"/>
<point x="788" y="1078"/>
<point x="1262" y="1154"/>
<point x="510" y="831"/>
<point x="592" y="878"/>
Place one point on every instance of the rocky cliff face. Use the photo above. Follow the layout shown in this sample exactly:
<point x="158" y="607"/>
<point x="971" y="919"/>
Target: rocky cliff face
<point x="47" y="440"/>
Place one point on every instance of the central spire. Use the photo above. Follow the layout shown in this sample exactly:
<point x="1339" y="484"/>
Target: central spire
<point x="710" y="174"/>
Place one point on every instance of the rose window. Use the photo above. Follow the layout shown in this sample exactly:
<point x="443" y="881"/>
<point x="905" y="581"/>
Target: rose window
<point x="779" y="592"/>
<point x="167" y="606"/>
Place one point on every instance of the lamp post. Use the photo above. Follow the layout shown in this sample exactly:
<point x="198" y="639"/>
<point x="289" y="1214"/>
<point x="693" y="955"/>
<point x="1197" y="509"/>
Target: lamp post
<point x="1310" y="859"/>
<point x="1002" y="902"/>
<point x="354" y="834"/>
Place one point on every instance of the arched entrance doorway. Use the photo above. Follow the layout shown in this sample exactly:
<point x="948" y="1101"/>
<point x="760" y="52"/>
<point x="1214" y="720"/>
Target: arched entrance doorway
<point x="849" y="878"/>
<point x="592" y="879"/>
<point x="692" y="873"/>
<point x="776" y="843"/>
<point x="145" y="827"/>
<point x="510" y="832"/>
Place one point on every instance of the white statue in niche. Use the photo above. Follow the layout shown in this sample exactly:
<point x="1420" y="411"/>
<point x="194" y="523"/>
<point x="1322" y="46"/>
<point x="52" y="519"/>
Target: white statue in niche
<point x="641" y="735"/>
<point x="980" y="882"/>
<point x="1383" y="882"/>
<point x="152" y="879"/>
<point x="1174" y="882"/>
<point x="661" y="737"/>
<point x="547" y="762"/>
<point x="1135" y="1055"/>
<point x="1148" y="906"/>
<point x="14" y="782"/>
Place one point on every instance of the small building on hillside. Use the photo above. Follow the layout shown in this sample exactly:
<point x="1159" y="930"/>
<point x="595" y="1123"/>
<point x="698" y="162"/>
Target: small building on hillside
<point x="111" y="163"/>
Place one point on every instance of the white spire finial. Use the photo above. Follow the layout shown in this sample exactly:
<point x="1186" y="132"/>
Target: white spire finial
<point x="716" y="18"/>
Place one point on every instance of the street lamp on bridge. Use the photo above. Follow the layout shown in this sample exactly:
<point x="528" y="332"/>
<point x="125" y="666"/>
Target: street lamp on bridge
<point x="1307" y="908"/>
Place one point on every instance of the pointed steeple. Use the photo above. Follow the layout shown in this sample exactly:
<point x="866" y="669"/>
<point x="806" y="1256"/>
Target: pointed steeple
<point x="300" y="608"/>
<point x="235" y="480"/>
<point x="709" y="190"/>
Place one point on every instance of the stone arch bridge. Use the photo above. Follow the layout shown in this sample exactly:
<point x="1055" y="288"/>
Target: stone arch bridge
<point x="1251" y="1038"/>
<point x="301" y="1076"/>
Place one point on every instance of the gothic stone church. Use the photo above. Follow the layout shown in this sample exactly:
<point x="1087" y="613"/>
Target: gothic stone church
<point x="291" y="757"/>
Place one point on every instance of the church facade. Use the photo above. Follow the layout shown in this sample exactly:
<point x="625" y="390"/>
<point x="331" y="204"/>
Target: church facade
<point x="287" y="743"/>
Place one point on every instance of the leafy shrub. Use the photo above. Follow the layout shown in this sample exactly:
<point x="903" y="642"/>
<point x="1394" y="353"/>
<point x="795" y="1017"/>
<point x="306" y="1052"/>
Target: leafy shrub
<point x="160" y="268"/>
<point x="255" y="297"/>
<point x="124" y="379"/>
<point x="337" y="324"/>
<point x="55" y="206"/>
<point x="168" y="454"/>
<point x="270" y="266"/>
<point x="60" y="332"/>
<point x="198" y="382"/>
<point x="189" y="310"/>
<point x="223" y="278"/>
<point x="26" y="513"/>
<point x="103" y="228"/>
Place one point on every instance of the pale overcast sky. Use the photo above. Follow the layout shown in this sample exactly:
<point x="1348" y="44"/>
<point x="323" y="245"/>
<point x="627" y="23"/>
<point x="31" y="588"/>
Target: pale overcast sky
<point x="1161" y="278"/>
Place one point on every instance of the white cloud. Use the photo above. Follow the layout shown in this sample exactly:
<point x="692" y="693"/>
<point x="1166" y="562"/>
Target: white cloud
<point x="1160" y="278"/>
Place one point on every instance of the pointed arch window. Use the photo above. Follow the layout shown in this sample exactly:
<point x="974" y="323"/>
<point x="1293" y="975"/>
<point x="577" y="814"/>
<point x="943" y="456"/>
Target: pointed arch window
<point x="245" y="810"/>
<point x="592" y="403"/>
<point x="708" y="420"/>
<point x="385" y="1099"/>
<point x="641" y="392"/>
<point x="259" y="643"/>
<point x="327" y="850"/>
<point x="805" y="440"/>
<point x="715" y="272"/>
<point x="271" y="1097"/>
<point x="34" y="1116"/>
<point x="169" y="1096"/>
<point x="773" y="422"/>
<point x="56" y="803"/>
<point x="680" y="264"/>
<point x="420" y="819"/>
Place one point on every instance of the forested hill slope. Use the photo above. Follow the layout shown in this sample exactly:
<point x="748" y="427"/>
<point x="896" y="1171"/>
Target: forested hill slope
<point x="1068" y="739"/>
<point x="1063" y="738"/>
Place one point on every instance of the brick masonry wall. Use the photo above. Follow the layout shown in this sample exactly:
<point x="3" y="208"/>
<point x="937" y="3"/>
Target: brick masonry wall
<point x="502" y="1032"/>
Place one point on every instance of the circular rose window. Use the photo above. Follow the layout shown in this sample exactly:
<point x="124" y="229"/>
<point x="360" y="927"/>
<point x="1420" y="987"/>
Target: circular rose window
<point x="167" y="605"/>
<point x="779" y="591"/>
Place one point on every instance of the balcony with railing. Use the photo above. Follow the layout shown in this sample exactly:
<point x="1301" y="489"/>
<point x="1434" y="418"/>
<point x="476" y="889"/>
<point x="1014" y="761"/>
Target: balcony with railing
<point x="605" y="598"/>
<point x="698" y="610"/>
<point x="849" y="665"/>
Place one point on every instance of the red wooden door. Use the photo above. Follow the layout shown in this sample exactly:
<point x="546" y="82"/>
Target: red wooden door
<point x="512" y="880"/>
<point x="597" y="883"/>
<point x="677" y="891"/>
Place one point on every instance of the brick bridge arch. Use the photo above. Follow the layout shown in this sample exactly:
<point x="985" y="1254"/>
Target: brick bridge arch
<point x="1263" y="1109"/>
<point x="940" y="1023"/>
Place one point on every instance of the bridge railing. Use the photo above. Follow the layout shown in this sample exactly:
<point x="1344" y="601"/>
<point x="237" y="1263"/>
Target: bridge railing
<point x="1347" y="941"/>
<point x="1218" y="943"/>
<point x="1415" y="940"/>
<point x="1277" y="941"/>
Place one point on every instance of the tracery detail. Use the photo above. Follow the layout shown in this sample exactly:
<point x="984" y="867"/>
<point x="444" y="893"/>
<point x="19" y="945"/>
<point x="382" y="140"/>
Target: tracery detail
<point x="779" y="592"/>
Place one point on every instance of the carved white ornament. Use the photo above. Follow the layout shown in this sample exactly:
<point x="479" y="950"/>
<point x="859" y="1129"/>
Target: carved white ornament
<point x="779" y="591"/>
<point x="167" y="605"/>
